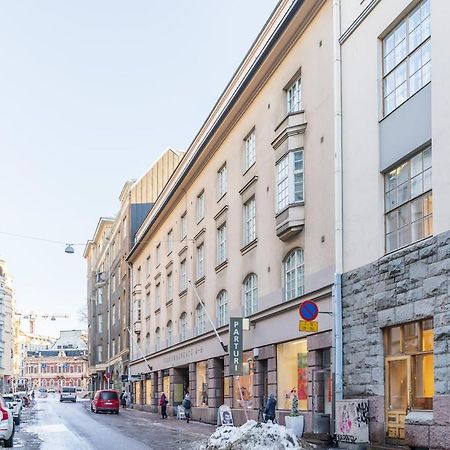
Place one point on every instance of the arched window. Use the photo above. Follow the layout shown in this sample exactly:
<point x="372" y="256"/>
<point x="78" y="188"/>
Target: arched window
<point x="222" y="308"/>
<point x="250" y="294"/>
<point x="183" y="327"/>
<point x="294" y="274"/>
<point x="200" y="324"/>
<point x="147" y="343"/>
<point x="169" y="332"/>
<point x="158" y="340"/>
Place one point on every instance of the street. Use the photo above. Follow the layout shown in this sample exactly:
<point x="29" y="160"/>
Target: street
<point x="50" y="425"/>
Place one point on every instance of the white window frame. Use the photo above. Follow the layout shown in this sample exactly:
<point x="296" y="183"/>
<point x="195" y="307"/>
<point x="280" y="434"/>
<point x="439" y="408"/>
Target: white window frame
<point x="222" y="308"/>
<point x="250" y="294"/>
<point x="200" y="206"/>
<point x="290" y="182"/>
<point x="169" y="333"/>
<point x="183" y="226"/>
<point x="100" y="323"/>
<point x="100" y="296"/>
<point x="183" y="326"/>
<point x="401" y="52"/>
<point x="294" y="96"/>
<point x="148" y="265"/>
<point x="183" y="275"/>
<point x="200" y="261"/>
<point x="249" y="220"/>
<point x="158" y="295"/>
<point x="158" y="255"/>
<point x="99" y="353"/>
<point x="200" y="320"/>
<point x="169" y="242"/>
<point x="222" y="181"/>
<point x="158" y="339"/>
<point x="113" y="314"/>
<point x="169" y="286"/>
<point x="222" y="243"/>
<point x="138" y="310"/>
<point x="294" y="274"/>
<point x="250" y="151"/>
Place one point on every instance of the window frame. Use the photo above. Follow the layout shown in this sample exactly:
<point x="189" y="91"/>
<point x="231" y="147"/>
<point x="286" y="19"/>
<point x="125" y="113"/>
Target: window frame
<point x="296" y="88"/>
<point x="183" y="326"/>
<point x="200" y="261"/>
<point x="287" y="178"/>
<point x="249" y="150"/>
<point x="169" y="287"/>
<point x="222" y="181"/>
<point x="183" y="226"/>
<point x="183" y="275"/>
<point x="222" y="308"/>
<point x="250" y="293"/>
<point x="298" y="270"/>
<point x="170" y="241"/>
<point x="200" y="320"/>
<point x="200" y="206"/>
<point x="249" y="216"/>
<point x="221" y="243"/>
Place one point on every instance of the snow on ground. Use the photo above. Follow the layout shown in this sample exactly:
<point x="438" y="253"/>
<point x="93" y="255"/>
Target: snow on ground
<point x="255" y="436"/>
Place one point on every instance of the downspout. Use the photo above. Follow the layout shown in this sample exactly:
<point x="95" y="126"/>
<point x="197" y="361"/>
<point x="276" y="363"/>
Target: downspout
<point x="130" y="328"/>
<point x="109" y="318"/>
<point x="338" y="198"/>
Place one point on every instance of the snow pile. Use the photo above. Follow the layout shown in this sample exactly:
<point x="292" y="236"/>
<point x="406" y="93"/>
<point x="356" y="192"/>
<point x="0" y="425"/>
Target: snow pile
<point x="255" y="436"/>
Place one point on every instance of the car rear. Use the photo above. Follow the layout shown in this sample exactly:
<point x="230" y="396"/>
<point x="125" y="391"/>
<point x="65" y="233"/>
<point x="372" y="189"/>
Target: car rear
<point x="6" y="424"/>
<point x="15" y="406"/>
<point x="68" y="394"/>
<point x="107" y="401"/>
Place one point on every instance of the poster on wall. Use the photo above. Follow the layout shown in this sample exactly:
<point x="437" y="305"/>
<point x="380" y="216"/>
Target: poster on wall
<point x="302" y="376"/>
<point x="224" y="416"/>
<point x="352" y="420"/>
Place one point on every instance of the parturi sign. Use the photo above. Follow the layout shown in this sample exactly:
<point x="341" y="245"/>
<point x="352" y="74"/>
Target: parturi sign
<point x="236" y="345"/>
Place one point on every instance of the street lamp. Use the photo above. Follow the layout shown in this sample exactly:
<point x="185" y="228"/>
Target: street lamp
<point x="69" y="249"/>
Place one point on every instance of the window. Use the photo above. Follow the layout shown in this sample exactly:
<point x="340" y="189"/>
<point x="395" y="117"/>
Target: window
<point x="222" y="308"/>
<point x="250" y="151"/>
<point x="294" y="97"/>
<point x="113" y="347"/>
<point x="113" y="314"/>
<point x="249" y="221"/>
<point x="250" y="294"/>
<point x="169" y="332"/>
<point x="169" y="242"/>
<point x="201" y="375"/>
<point x="407" y="57"/>
<point x="147" y="343"/>
<point x="243" y="391"/>
<point x="290" y="183"/>
<point x="158" y="340"/>
<point x="409" y="201"/>
<point x="222" y="244"/>
<point x="100" y="323"/>
<point x="200" y="206"/>
<point x="99" y="355"/>
<point x="158" y="255"/>
<point x="138" y="310"/>
<point x="183" y="327"/>
<point x="183" y="226"/>
<point x="200" y="324"/>
<point x="148" y="266"/>
<point x="200" y="261"/>
<point x="183" y="275"/>
<point x="138" y="275"/>
<point x="409" y="361"/>
<point x="157" y="295"/>
<point x="100" y="296"/>
<point x="169" y="287"/>
<point x="294" y="274"/>
<point x="222" y="181"/>
<point x="124" y="227"/>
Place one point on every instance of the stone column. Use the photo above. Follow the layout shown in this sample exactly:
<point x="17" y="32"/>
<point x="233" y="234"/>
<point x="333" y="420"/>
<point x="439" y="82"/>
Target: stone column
<point x="215" y="382"/>
<point x="155" y="393"/>
<point x="228" y="399"/>
<point x="193" y="383"/>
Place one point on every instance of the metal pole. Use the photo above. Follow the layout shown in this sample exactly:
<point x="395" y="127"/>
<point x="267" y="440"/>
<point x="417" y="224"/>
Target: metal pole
<point x="142" y="353"/>
<point x="225" y="348"/>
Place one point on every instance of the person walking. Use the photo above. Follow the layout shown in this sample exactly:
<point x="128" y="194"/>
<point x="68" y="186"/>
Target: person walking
<point x="187" y="405"/>
<point x="269" y="411"/>
<point x="163" y="403"/>
<point x="123" y="399"/>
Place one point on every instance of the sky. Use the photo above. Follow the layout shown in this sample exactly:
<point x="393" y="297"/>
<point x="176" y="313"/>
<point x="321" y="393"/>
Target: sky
<point x="91" y="92"/>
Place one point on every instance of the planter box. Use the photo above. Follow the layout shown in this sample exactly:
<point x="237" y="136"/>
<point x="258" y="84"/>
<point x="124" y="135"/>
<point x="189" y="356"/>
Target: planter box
<point x="296" y="424"/>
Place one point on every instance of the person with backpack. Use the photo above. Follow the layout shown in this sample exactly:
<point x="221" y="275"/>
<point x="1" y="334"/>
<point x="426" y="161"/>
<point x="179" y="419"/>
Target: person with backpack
<point x="187" y="405"/>
<point x="123" y="399"/>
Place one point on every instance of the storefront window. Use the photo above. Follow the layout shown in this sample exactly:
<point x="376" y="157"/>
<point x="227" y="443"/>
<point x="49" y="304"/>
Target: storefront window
<point x="148" y="392"/>
<point x="137" y="392"/>
<point x="243" y="387"/>
<point x="202" y="383"/>
<point x="166" y="385"/>
<point x="292" y="372"/>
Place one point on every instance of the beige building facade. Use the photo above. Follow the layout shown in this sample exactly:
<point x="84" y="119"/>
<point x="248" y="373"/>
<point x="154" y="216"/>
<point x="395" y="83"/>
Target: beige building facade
<point x="247" y="221"/>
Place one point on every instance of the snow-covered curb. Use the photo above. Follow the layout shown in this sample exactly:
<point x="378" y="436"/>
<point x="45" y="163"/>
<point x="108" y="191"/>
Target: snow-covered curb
<point x="255" y="436"/>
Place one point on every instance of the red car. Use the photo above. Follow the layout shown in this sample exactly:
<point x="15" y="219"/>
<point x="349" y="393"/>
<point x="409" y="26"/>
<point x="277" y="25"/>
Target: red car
<point x="105" y="400"/>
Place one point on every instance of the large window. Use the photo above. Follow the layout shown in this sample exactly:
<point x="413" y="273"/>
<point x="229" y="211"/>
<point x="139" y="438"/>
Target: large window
<point x="200" y="320"/>
<point x="243" y="391"/>
<point x="99" y="353"/>
<point x="200" y="261"/>
<point x="294" y="96"/>
<point x="222" y="181"/>
<point x="157" y="295"/>
<point x="410" y="365"/>
<point x="250" y="294"/>
<point x="222" y="308"/>
<point x="169" y="287"/>
<point x="158" y="340"/>
<point x="292" y="373"/>
<point x="169" y="241"/>
<point x="100" y="296"/>
<point x="407" y="57"/>
<point x="158" y="255"/>
<point x="249" y="221"/>
<point x="290" y="179"/>
<point x="183" y="275"/>
<point x="169" y="333"/>
<point x="202" y="383"/>
<point x="200" y="206"/>
<point x="100" y="323"/>
<point x="222" y="243"/>
<point x="183" y="327"/>
<point x="183" y="226"/>
<point x="294" y="274"/>
<point x="250" y="151"/>
<point x="409" y="201"/>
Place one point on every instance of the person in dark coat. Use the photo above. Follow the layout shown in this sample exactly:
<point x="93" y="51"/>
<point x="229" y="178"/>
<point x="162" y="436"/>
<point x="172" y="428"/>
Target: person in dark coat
<point x="269" y="411"/>
<point x="163" y="403"/>
<point x="123" y="399"/>
<point x="187" y="405"/>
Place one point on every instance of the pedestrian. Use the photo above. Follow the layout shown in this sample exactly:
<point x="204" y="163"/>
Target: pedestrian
<point x="123" y="399"/>
<point x="163" y="403"/>
<point x="269" y="411"/>
<point x="187" y="405"/>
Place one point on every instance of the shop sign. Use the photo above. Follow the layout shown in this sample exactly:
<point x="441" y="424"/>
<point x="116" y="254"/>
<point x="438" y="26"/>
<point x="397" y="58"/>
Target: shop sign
<point x="224" y="416"/>
<point x="309" y="310"/>
<point x="352" y="420"/>
<point x="236" y="346"/>
<point x="303" y="325"/>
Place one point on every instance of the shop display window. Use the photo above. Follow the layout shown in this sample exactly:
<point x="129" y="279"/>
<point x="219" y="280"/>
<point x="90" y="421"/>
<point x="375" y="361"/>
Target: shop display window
<point x="148" y="392"/>
<point x="202" y="383"/>
<point x="243" y="387"/>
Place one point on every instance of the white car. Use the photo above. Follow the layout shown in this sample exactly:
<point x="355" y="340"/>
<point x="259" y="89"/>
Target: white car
<point x="15" y="405"/>
<point x="68" y="394"/>
<point x="6" y="424"/>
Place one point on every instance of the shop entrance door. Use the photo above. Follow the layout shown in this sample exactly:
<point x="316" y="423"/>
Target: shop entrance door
<point x="321" y="401"/>
<point x="398" y="390"/>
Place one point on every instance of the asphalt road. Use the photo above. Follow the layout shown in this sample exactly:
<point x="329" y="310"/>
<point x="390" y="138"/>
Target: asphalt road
<point x="51" y="425"/>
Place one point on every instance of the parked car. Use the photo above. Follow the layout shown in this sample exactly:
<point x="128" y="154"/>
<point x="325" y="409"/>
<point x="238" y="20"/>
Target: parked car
<point x="68" y="394"/>
<point x="6" y="424"/>
<point x="105" y="400"/>
<point x="15" y="405"/>
<point x="42" y="392"/>
<point x="51" y="391"/>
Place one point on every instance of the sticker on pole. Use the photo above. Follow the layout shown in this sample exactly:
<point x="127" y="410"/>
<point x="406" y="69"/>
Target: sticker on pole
<point x="309" y="310"/>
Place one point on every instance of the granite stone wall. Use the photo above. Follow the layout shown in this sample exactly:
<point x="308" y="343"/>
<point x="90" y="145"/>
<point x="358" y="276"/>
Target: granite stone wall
<point x="408" y="285"/>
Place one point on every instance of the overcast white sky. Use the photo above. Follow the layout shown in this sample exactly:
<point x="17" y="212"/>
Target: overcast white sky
<point x="91" y="92"/>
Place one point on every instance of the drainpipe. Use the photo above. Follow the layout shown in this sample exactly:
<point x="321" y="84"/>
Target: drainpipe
<point x="338" y="198"/>
<point x="109" y="317"/>
<point x="130" y="329"/>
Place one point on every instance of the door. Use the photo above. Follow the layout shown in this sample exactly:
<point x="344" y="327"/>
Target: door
<point x="321" y="401"/>
<point x="398" y="395"/>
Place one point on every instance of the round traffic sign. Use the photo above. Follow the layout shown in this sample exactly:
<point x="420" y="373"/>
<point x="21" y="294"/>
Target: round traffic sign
<point x="308" y="310"/>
